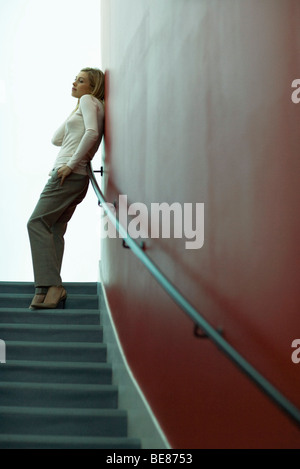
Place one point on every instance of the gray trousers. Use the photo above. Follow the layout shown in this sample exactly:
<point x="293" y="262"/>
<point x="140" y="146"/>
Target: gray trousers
<point x="48" y="223"/>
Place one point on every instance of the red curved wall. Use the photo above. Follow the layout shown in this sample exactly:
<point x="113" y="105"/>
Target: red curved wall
<point x="199" y="109"/>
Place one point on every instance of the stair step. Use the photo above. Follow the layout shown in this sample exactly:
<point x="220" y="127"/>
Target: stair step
<point x="71" y="422"/>
<point x="61" y="316"/>
<point x="56" y="372"/>
<point x="90" y="288"/>
<point x="84" y="396"/>
<point x="20" y="300"/>
<point x="51" y="333"/>
<point x="55" y="351"/>
<point x="56" y="388"/>
<point x="66" y="442"/>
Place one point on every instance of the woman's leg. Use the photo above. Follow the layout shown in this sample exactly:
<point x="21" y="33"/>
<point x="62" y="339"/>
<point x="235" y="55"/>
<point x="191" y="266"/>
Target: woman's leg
<point x="59" y="230"/>
<point x="47" y="226"/>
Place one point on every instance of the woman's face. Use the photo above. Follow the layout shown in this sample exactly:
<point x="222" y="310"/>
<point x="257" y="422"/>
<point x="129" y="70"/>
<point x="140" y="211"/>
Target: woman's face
<point x="81" y="85"/>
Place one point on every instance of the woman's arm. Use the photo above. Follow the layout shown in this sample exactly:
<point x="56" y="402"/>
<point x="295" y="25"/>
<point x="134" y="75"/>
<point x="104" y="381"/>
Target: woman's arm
<point x="63" y="173"/>
<point x="89" y="111"/>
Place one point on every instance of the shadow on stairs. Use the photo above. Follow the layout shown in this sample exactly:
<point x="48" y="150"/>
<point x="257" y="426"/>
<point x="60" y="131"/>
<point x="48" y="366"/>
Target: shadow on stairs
<point x="56" y="387"/>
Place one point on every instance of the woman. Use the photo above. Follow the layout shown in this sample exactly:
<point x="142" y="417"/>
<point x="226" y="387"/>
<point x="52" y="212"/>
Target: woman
<point x="79" y="138"/>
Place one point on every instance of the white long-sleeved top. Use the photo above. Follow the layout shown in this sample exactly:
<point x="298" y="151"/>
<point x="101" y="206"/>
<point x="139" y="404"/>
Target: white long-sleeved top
<point x="80" y="135"/>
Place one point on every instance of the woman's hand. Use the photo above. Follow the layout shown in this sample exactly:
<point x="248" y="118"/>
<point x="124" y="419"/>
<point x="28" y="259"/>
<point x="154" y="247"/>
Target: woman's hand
<point x="63" y="173"/>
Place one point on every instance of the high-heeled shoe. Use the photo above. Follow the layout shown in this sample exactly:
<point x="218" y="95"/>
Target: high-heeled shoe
<point x="54" y="297"/>
<point x="37" y="300"/>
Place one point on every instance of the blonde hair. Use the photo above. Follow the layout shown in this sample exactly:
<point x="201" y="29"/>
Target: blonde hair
<point x="97" y="82"/>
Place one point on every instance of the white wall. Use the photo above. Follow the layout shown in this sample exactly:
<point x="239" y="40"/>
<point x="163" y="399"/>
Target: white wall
<point x="43" y="47"/>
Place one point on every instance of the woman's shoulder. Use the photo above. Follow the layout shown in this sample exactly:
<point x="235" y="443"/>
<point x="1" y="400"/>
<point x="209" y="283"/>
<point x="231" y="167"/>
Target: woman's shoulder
<point x="88" y="98"/>
<point x="88" y="103"/>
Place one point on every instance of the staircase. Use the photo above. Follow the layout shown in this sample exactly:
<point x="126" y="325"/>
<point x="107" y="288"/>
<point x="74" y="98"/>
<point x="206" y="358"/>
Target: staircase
<point x="56" y="387"/>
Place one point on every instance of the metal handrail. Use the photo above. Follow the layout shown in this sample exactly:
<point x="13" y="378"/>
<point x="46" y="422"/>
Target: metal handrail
<point x="261" y="382"/>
